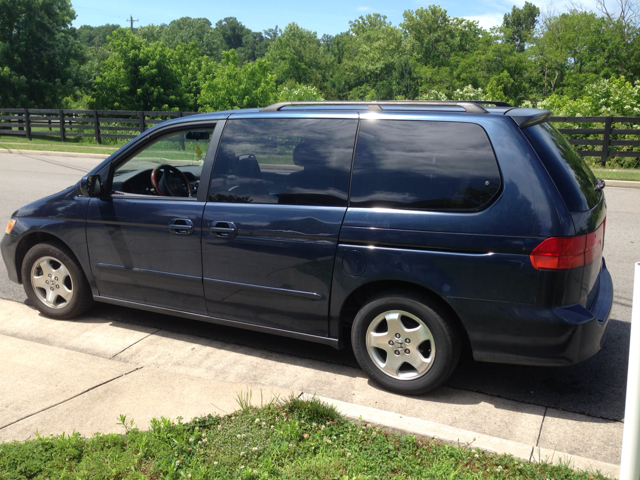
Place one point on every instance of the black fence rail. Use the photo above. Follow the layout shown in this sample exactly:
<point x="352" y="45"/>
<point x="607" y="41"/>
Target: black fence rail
<point x="99" y="124"/>
<point x="600" y="137"/>
<point x="616" y="136"/>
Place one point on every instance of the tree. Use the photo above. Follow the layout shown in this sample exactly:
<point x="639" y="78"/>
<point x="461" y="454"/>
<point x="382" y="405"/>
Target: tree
<point x="255" y="45"/>
<point x="295" y="92"/>
<point x="605" y="97"/>
<point x="96" y="36"/>
<point x="298" y="56"/>
<point x="433" y="37"/>
<point x="437" y="44"/>
<point x="519" y="25"/>
<point x="232" y="32"/>
<point x="372" y="52"/>
<point x="39" y="53"/>
<point x="139" y="76"/>
<point x="186" y="30"/>
<point x="576" y="48"/>
<point x="227" y="86"/>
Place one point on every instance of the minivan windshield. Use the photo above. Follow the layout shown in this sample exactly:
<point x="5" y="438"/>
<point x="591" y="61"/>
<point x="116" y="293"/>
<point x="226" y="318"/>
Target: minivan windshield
<point x="570" y="173"/>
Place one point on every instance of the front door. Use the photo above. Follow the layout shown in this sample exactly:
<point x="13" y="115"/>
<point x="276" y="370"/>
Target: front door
<point x="270" y="230"/>
<point x="144" y="240"/>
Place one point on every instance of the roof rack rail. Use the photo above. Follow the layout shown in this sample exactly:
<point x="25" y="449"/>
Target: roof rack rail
<point x="492" y="102"/>
<point x="469" y="107"/>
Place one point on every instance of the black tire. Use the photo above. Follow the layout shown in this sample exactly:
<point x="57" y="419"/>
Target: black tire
<point x="55" y="282"/>
<point x="434" y="343"/>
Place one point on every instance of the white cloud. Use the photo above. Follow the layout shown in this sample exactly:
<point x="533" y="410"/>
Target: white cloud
<point x="363" y="9"/>
<point x="488" y="20"/>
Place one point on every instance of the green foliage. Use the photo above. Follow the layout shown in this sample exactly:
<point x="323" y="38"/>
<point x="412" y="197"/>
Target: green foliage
<point x="519" y="25"/>
<point x="187" y="30"/>
<point x="140" y="76"/>
<point x="470" y="93"/>
<point x="433" y="37"/>
<point x="298" y="56"/>
<point x="605" y="97"/>
<point x="232" y="32"/>
<point x="39" y="53"/>
<point x="96" y="36"/>
<point x="577" y="48"/>
<point x="227" y="86"/>
<point x="290" y="440"/>
<point x="371" y="56"/>
<point x="292" y="92"/>
<point x="430" y="55"/>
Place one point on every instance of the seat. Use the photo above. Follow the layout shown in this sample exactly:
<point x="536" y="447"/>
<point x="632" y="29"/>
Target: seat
<point x="247" y="167"/>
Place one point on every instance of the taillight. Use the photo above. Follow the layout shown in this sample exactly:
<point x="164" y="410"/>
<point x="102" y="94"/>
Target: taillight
<point x="563" y="253"/>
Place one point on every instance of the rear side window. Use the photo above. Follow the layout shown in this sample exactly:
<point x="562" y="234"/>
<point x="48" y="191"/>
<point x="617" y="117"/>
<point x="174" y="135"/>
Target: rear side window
<point x="284" y="161"/>
<point x="572" y="176"/>
<point x="423" y="165"/>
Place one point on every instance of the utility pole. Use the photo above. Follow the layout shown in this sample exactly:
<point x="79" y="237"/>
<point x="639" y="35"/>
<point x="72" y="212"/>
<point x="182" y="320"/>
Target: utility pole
<point x="131" y="19"/>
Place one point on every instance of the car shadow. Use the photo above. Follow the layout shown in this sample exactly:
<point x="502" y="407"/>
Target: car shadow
<point x="595" y="387"/>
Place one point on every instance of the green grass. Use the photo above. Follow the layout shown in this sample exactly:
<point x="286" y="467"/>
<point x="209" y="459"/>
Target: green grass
<point x="285" y="440"/>
<point x="621" y="174"/>
<point x="54" y="144"/>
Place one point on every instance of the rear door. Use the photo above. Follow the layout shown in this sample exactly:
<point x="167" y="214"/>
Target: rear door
<point x="583" y="197"/>
<point x="277" y="199"/>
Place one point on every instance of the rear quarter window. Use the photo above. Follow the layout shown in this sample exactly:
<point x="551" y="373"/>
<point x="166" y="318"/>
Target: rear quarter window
<point x="423" y="165"/>
<point x="567" y="169"/>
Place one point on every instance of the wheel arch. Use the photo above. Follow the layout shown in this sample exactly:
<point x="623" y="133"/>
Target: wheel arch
<point x="29" y="241"/>
<point x="363" y="293"/>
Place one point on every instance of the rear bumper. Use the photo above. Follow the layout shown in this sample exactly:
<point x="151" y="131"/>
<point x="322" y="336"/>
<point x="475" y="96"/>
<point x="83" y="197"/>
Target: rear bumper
<point x="529" y="335"/>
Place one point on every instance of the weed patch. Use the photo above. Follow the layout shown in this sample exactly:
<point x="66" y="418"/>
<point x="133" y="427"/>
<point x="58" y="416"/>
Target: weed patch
<point x="291" y="439"/>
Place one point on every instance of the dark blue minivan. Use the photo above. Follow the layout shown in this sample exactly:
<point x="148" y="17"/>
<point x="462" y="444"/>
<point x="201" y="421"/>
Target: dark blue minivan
<point x="410" y="229"/>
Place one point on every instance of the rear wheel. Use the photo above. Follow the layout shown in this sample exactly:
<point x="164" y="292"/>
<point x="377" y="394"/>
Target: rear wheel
<point x="405" y="343"/>
<point x="55" y="282"/>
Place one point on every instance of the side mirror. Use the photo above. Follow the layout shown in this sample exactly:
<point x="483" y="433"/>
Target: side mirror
<point x="91" y="186"/>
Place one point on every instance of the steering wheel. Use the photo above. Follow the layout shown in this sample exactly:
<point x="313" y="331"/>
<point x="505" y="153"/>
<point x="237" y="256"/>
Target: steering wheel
<point x="171" y="183"/>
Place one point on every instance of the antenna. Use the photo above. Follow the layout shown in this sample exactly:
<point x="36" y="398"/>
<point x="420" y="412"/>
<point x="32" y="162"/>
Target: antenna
<point x="131" y="19"/>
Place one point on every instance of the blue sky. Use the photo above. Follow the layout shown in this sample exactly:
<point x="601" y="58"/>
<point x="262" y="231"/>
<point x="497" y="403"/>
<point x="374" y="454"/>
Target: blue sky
<point x="327" y="16"/>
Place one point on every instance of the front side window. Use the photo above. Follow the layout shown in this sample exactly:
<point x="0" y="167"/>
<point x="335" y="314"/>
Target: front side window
<point x="170" y="166"/>
<point x="423" y="165"/>
<point x="284" y="161"/>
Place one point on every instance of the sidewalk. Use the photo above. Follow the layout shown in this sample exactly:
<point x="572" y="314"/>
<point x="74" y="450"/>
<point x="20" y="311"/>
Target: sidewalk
<point x="61" y="376"/>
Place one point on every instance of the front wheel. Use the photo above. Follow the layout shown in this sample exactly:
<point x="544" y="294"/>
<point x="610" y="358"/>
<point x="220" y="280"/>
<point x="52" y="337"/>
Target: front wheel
<point x="405" y="343"/>
<point x="54" y="281"/>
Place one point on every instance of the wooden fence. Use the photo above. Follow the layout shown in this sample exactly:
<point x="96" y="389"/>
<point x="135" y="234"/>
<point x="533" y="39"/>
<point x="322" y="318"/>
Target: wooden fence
<point x="99" y="124"/>
<point x="616" y="136"/>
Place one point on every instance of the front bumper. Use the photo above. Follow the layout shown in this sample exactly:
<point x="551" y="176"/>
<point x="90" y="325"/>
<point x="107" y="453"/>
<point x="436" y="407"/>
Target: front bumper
<point x="8" y="247"/>
<point x="525" y="334"/>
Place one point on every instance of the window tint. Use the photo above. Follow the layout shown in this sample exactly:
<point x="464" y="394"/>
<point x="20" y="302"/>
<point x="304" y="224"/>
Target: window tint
<point x="427" y="165"/>
<point x="572" y="176"/>
<point x="169" y="166"/>
<point x="284" y="161"/>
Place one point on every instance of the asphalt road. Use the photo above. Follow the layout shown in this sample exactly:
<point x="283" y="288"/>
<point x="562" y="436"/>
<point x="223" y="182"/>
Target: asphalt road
<point x="595" y="387"/>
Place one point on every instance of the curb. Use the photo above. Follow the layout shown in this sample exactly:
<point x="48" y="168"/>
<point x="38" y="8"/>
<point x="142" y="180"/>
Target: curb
<point x="101" y="156"/>
<point x="622" y="183"/>
<point x="464" y="438"/>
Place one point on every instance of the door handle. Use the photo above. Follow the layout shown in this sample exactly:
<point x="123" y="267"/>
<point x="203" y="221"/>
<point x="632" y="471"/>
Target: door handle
<point x="224" y="229"/>
<point x="181" y="226"/>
